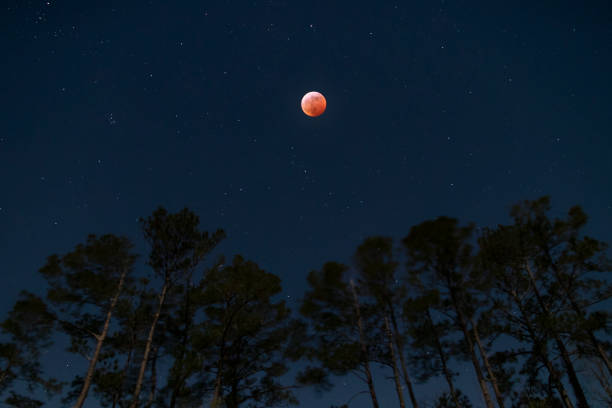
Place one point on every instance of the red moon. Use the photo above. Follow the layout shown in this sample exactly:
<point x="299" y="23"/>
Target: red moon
<point x="313" y="104"/>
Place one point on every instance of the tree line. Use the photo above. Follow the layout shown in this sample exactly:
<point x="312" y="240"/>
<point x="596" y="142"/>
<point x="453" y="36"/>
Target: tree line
<point x="523" y="305"/>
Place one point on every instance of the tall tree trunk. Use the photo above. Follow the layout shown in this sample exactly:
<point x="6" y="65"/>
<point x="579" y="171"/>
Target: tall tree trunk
<point x="538" y="345"/>
<point x="463" y="326"/>
<point x="216" y="400"/>
<point x="217" y="393"/>
<point x="364" y="349"/>
<point x="567" y="362"/>
<point x="485" y="359"/>
<point x="400" y="352"/>
<point x="101" y="337"/>
<point x="122" y="377"/>
<point x="445" y="369"/>
<point x="396" y="374"/>
<point x="602" y="353"/>
<point x="126" y="367"/>
<point x="554" y="376"/>
<point x="184" y="340"/>
<point x="143" y="365"/>
<point x="153" y="377"/>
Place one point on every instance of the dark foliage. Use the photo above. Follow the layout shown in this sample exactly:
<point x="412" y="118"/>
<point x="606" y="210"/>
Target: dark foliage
<point x="223" y="335"/>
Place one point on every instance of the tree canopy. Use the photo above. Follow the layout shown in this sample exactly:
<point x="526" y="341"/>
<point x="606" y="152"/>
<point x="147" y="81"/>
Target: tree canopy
<point x="519" y="309"/>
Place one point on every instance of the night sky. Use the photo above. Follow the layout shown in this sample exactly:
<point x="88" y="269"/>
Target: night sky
<point x="109" y="109"/>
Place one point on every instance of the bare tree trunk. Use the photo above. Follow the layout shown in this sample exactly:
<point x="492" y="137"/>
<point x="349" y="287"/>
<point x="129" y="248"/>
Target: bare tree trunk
<point x="184" y="340"/>
<point x="559" y="385"/>
<point x="567" y="362"/>
<point x="554" y="374"/>
<point x="216" y="400"/>
<point x="400" y="349"/>
<point x="126" y="367"/>
<point x="470" y="343"/>
<point x="396" y="374"/>
<point x="217" y="393"/>
<point x="153" y="378"/>
<point x="364" y="349"/>
<point x="143" y="365"/>
<point x="485" y="359"/>
<point x="101" y="337"/>
<point x="602" y="353"/>
<point x="447" y="374"/>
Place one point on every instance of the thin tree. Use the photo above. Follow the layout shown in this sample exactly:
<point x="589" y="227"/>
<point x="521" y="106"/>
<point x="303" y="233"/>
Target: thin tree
<point x="363" y="345"/>
<point x="177" y="248"/>
<point x="567" y="362"/>
<point x="502" y="257"/>
<point x="528" y="220"/>
<point x="439" y="256"/>
<point x="573" y="260"/>
<point x="485" y="359"/>
<point x="377" y="266"/>
<point x="134" y="315"/>
<point x="180" y="327"/>
<point x="155" y="355"/>
<point x="338" y="341"/>
<point x="94" y="274"/>
<point x="430" y="353"/>
<point x="251" y="331"/>
<point x="396" y="375"/>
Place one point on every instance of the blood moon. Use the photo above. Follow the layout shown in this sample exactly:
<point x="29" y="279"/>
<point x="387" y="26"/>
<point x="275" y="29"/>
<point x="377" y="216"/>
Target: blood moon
<point x="313" y="104"/>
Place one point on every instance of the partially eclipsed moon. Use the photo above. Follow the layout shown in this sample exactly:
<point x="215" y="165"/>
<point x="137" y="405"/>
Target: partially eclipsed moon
<point x="313" y="104"/>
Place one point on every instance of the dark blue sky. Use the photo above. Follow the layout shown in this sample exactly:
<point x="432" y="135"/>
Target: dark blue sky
<point x="461" y="108"/>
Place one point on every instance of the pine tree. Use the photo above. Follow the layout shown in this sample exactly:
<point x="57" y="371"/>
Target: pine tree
<point x="476" y="327"/>
<point x="440" y="257"/>
<point x="542" y="240"/>
<point x="27" y="330"/>
<point x="177" y="248"/>
<point x="117" y="373"/>
<point x="376" y="266"/>
<point x="516" y="307"/>
<point x="396" y="374"/>
<point x="574" y="261"/>
<point x="181" y="333"/>
<point x="339" y="341"/>
<point x="250" y="332"/>
<point x="85" y="286"/>
<point x="430" y="352"/>
<point x="192" y="344"/>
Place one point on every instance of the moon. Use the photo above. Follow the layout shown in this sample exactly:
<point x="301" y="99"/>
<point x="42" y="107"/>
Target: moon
<point x="313" y="104"/>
